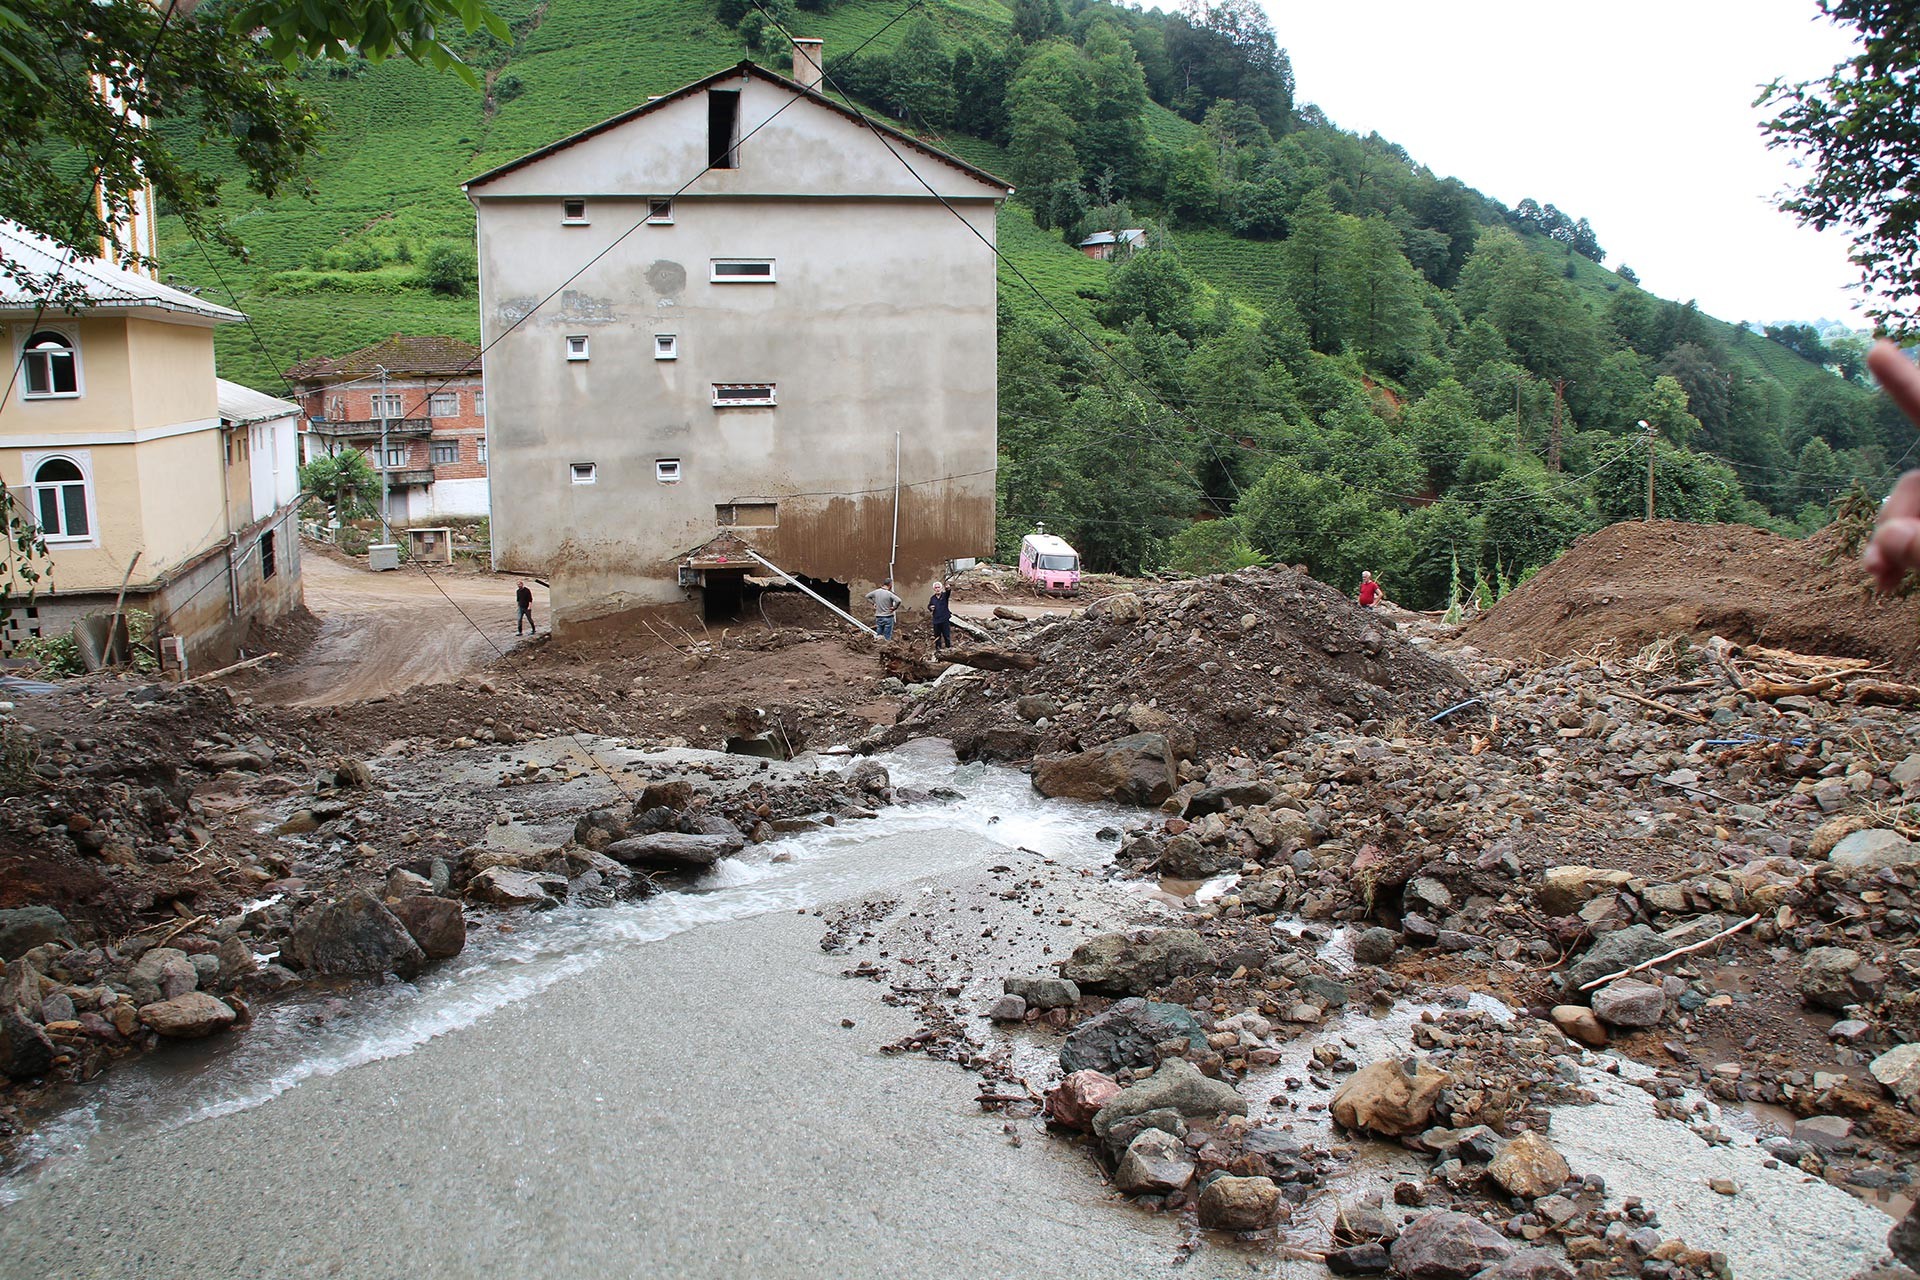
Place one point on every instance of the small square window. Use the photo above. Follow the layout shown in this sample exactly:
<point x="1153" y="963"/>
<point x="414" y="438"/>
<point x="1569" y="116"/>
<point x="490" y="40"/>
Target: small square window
<point x="583" y="472"/>
<point x="666" y="470"/>
<point x="742" y="271"/>
<point x="666" y="346"/>
<point x="577" y="346"/>
<point x="573" y="213"/>
<point x="444" y="404"/>
<point x="445" y="452"/>
<point x="660" y="212"/>
<point x="742" y="393"/>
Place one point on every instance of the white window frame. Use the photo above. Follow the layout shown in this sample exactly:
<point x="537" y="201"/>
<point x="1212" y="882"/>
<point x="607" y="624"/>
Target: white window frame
<point x="72" y="336"/>
<point x="80" y="458"/>
<point x="660" y="211"/>
<point x="715" y="277"/>
<point x="439" y="398"/>
<point x="667" y="470"/>
<point x="576" y="347"/>
<point x="583" y="472"/>
<point x="479" y="404"/>
<point x="394" y="451"/>
<point x="666" y="346"/>
<point x="394" y="402"/>
<point x="570" y="219"/>
<point x="436" y="446"/>
<point x="721" y="400"/>
<point x="482" y="442"/>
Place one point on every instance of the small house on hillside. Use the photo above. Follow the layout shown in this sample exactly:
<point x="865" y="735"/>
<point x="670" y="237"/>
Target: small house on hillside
<point x="1106" y="245"/>
<point x="426" y="392"/>
<point x="138" y="464"/>
<point x="783" y="328"/>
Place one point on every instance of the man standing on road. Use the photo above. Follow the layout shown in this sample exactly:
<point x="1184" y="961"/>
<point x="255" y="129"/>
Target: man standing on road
<point x="941" y="607"/>
<point x="884" y="602"/>
<point x="523" y="601"/>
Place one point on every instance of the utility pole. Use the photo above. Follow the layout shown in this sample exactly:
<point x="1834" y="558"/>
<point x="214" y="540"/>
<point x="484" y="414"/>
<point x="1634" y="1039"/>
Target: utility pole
<point x="386" y="490"/>
<point x="1553" y="441"/>
<point x="1652" y="436"/>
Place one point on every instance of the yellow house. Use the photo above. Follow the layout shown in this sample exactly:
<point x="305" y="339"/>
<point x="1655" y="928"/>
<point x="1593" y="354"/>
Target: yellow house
<point x="113" y="440"/>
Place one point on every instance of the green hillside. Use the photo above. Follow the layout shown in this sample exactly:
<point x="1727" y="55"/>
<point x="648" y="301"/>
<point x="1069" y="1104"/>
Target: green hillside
<point x="1352" y="359"/>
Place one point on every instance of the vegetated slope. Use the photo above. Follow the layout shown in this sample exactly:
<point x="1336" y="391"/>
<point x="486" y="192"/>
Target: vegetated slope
<point x="339" y="270"/>
<point x="1636" y="582"/>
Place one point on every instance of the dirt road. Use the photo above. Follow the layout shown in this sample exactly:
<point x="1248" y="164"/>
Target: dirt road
<point x="385" y="632"/>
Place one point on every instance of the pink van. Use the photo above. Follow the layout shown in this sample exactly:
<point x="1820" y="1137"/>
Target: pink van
<point x="1049" y="563"/>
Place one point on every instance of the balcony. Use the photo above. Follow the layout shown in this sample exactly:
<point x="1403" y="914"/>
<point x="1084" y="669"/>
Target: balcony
<point x="398" y="479"/>
<point x="369" y="428"/>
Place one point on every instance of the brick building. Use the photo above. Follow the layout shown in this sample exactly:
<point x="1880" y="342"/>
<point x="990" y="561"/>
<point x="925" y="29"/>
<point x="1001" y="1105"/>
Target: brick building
<point x="435" y="407"/>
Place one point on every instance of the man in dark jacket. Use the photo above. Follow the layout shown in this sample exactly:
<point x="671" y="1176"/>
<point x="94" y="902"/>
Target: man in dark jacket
<point x="523" y="602"/>
<point x="941" y="607"/>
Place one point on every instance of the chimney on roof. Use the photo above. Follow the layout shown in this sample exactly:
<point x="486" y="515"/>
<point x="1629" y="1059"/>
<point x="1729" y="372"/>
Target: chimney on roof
<point x="809" y="62"/>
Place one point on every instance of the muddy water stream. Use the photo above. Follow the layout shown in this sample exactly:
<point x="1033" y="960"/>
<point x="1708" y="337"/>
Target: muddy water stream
<point x="687" y="1086"/>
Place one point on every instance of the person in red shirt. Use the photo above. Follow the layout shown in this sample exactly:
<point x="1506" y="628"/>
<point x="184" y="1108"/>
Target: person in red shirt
<point x="1369" y="590"/>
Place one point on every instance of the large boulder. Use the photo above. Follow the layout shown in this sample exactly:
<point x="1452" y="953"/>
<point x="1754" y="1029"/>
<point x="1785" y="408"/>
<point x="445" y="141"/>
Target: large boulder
<point x="1898" y="1069"/>
<point x="1177" y="1086"/>
<point x="1904" y="1239"/>
<point x="1564" y="890"/>
<point x="1621" y="949"/>
<point x="1392" y="1097"/>
<point x="192" y="1016"/>
<point x="1870" y="850"/>
<point x="1629" y="1002"/>
<point x="672" y="851"/>
<point x="1528" y="1167"/>
<point x="1241" y="1204"/>
<point x="1826" y="978"/>
<point x="1043" y="991"/>
<point x="1529" y="1264"/>
<point x="1134" y="963"/>
<point x="511" y="887"/>
<point x="161" y="974"/>
<point x="1136" y="769"/>
<point x="1156" y="1164"/>
<point x="1448" y="1246"/>
<point x="1123" y="1038"/>
<point x="1122" y="606"/>
<point x="437" y="924"/>
<point x="24" y="928"/>
<point x="1227" y="796"/>
<point x="353" y="936"/>
<point x="1077" y="1099"/>
<point x="25" y="1051"/>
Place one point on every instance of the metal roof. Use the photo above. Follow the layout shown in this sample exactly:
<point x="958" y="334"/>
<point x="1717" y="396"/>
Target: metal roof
<point x="747" y="67"/>
<point x="1107" y="237"/>
<point x="243" y="406"/>
<point x="1048" y="544"/>
<point x="33" y="263"/>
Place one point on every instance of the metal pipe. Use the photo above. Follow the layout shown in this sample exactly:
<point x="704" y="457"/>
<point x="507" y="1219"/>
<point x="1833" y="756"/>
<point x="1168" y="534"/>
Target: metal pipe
<point x="893" y="556"/>
<point x="810" y="591"/>
<point x="386" y="488"/>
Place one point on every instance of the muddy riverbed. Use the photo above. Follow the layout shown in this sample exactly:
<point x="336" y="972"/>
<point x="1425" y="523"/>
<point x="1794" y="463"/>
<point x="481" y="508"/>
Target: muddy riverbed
<point x="701" y="1084"/>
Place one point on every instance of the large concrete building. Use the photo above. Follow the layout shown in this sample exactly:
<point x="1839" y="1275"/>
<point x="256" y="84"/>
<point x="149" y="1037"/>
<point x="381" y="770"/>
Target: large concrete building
<point x="776" y="319"/>
<point x="151" y="480"/>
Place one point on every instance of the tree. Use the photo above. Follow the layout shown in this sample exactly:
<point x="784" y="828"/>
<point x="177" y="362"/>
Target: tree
<point x="198" y="83"/>
<point x="344" y="482"/>
<point x="1387" y="321"/>
<point x="1686" y="486"/>
<point x="921" y="79"/>
<point x="1210" y="546"/>
<point x="1321" y="521"/>
<point x="1037" y="20"/>
<point x="1314" y="265"/>
<point x="1858" y="132"/>
<point x="1046" y="104"/>
<point x="1114" y="137"/>
<point x="1665" y="408"/>
<point x="449" y="269"/>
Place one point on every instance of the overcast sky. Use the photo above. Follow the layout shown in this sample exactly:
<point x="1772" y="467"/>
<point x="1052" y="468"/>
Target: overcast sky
<point x="1636" y="115"/>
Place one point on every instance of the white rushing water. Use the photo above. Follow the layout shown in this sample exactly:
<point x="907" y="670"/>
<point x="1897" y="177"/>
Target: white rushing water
<point x="513" y="956"/>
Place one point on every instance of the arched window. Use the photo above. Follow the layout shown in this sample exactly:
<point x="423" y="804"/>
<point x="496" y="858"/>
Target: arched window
<point x="60" y="499"/>
<point x="52" y="365"/>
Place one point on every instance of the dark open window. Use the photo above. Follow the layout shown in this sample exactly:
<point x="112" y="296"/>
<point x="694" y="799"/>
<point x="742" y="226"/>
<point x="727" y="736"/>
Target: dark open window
<point x="268" y="563"/>
<point x="723" y="128"/>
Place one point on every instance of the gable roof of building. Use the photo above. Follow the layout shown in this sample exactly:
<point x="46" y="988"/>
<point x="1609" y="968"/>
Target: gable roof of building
<point x="243" y="406"/>
<point x="746" y="67"/>
<point x="32" y="267"/>
<point x="402" y="354"/>
<point x="1129" y="236"/>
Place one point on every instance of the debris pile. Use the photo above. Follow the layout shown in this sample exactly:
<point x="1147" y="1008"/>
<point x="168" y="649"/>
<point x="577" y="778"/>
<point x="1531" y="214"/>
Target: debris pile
<point x="1631" y="584"/>
<point x="1248" y="662"/>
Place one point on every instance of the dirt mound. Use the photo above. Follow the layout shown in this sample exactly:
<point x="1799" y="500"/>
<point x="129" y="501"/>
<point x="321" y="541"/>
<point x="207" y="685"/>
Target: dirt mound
<point x="1633" y="583"/>
<point x="1247" y="661"/>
